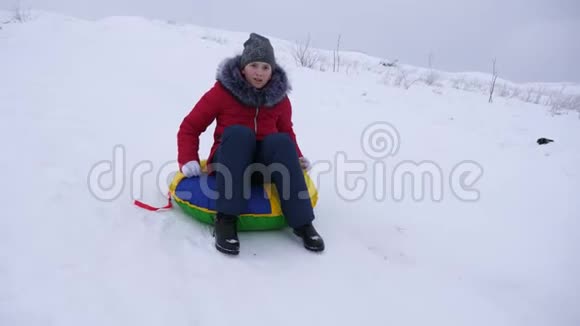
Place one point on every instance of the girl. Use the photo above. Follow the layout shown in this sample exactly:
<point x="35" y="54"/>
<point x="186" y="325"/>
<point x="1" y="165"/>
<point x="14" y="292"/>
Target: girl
<point x="254" y="128"/>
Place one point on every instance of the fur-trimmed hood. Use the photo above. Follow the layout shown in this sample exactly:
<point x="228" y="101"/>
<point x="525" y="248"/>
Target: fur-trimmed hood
<point x="230" y="76"/>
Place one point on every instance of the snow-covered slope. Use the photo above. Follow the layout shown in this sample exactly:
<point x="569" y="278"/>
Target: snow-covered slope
<point x="76" y="95"/>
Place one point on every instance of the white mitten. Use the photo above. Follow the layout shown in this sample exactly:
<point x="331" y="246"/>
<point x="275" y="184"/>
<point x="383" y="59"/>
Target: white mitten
<point x="191" y="169"/>
<point x="305" y="163"/>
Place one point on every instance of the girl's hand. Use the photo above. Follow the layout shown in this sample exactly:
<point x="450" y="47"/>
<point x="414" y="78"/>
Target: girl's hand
<point x="191" y="169"/>
<point x="305" y="163"/>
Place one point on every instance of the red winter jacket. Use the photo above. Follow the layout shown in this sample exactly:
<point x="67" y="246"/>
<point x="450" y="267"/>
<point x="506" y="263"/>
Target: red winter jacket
<point x="233" y="101"/>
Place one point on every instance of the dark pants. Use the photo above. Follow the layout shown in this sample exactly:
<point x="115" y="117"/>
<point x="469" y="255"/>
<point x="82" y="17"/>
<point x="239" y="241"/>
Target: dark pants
<point x="275" y="161"/>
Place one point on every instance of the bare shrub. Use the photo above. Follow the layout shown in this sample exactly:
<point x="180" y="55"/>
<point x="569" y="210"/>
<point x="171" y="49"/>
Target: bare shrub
<point x="399" y="77"/>
<point x="503" y="90"/>
<point x="516" y="93"/>
<point x="389" y="64"/>
<point x="336" y="56"/>
<point x="493" y="80"/>
<point x="458" y="83"/>
<point x="430" y="78"/>
<point x="20" y="14"/>
<point x="304" y="55"/>
<point x="214" y="38"/>
<point x="564" y="102"/>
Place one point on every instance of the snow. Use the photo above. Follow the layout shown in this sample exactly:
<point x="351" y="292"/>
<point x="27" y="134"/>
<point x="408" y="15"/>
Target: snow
<point x="75" y="95"/>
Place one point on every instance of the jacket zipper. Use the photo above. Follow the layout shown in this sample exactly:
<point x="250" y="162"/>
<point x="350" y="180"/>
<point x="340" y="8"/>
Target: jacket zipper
<point x="256" y="120"/>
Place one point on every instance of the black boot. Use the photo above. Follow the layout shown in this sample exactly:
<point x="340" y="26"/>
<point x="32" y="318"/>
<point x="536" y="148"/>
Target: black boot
<point x="226" y="234"/>
<point x="312" y="240"/>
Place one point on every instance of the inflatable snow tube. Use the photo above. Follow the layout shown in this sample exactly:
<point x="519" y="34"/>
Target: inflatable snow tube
<point x="264" y="211"/>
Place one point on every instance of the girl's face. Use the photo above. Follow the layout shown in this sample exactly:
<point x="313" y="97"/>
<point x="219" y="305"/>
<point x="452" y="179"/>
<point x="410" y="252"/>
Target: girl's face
<point x="257" y="73"/>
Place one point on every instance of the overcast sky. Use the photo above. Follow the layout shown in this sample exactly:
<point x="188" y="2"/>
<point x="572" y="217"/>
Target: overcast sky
<point x="533" y="40"/>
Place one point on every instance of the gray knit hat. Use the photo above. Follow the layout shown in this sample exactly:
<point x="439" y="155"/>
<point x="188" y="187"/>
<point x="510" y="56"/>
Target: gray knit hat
<point x="257" y="48"/>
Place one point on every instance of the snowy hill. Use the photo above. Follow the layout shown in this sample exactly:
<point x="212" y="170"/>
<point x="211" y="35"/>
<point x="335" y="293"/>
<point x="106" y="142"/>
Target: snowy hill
<point x="493" y="240"/>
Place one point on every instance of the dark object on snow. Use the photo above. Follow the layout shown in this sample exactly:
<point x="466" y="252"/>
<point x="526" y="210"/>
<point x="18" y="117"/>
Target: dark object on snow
<point x="543" y="141"/>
